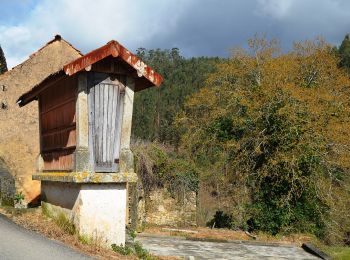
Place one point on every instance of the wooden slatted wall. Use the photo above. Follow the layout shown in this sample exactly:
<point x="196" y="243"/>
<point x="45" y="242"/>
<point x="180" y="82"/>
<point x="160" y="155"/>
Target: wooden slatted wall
<point x="106" y="108"/>
<point x="58" y="125"/>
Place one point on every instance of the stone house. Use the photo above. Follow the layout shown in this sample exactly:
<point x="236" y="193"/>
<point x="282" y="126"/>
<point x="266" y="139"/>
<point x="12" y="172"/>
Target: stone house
<point x="19" y="127"/>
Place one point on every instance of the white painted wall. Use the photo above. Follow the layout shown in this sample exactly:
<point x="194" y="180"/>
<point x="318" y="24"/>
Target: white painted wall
<point x="97" y="210"/>
<point x="102" y="212"/>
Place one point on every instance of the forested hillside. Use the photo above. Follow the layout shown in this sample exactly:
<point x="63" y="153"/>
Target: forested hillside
<point x="155" y="108"/>
<point x="266" y="132"/>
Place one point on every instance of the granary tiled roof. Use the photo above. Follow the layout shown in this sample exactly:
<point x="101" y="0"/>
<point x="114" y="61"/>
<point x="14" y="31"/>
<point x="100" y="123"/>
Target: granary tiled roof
<point x="146" y="76"/>
<point x="115" y="49"/>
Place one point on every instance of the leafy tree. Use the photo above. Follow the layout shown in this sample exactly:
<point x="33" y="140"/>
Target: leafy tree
<point x="3" y="65"/>
<point x="269" y="131"/>
<point x="344" y="53"/>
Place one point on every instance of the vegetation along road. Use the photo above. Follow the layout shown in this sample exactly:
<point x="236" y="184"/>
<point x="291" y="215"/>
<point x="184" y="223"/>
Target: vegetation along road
<point x="19" y="243"/>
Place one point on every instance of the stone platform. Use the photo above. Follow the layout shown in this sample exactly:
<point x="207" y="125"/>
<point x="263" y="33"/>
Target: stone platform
<point x="98" y="211"/>
<point x="86" y="177"/>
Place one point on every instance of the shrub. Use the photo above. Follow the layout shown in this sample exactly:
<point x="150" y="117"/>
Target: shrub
<point x="158" y="166"/>
<point x="221" y="220"/>
<point x="19" y="197"/>
<point x="123" y="250"/>
<point x="135" y="248"/>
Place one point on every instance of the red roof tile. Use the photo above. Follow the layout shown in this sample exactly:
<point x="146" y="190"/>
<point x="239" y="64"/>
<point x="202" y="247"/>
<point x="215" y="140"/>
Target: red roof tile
<point x="114" y="49"/>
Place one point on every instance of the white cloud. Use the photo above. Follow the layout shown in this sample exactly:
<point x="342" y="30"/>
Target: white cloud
<point x="89" y="24"/>
<point x="14" y="41"/>
<point x="274" y="8"/>
<point x="197" y="27"/>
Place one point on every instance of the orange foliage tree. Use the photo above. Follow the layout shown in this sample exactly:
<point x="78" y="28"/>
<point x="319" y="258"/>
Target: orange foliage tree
<point x="270" y="131"/>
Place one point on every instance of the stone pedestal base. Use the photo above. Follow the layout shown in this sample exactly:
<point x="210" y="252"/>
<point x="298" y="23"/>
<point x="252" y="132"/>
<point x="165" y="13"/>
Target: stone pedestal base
<point x="98" y="211"/>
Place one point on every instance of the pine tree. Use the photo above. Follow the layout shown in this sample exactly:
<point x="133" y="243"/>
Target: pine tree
<point x="344" y="53"/>
<point x="3" y="64"/>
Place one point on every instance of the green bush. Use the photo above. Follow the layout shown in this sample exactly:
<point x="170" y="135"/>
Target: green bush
<point x="123" y="250"/>
<point x="142" y="253"/>
<point x="19" y="197"/>
<point x="134" y="249"/>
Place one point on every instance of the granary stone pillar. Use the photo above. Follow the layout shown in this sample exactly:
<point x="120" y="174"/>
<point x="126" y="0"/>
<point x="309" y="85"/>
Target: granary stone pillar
<point x="82" y="155"/>
<point x="126" y="156"/>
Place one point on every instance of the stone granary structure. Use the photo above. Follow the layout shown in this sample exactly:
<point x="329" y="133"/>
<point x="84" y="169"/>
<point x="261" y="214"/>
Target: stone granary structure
<point x="19" y="139"/>
<point x="85" y="116"/>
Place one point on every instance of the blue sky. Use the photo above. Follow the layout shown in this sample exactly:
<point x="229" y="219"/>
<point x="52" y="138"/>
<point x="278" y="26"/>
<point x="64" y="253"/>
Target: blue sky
<point x="197" y="27"/>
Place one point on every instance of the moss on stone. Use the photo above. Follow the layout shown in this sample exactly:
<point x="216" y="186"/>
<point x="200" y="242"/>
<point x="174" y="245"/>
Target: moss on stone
<point x="85" y="177"/>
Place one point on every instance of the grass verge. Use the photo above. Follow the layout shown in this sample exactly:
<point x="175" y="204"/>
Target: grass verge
<point x="60" y="228"/>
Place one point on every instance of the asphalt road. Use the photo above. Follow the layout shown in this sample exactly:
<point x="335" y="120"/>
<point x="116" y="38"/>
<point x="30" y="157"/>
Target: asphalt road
<point x="170" y="246"/>
<point x="17" y="243"/>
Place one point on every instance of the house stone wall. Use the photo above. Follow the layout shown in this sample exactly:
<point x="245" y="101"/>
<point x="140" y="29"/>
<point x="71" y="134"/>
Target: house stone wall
<point x="19" y="131"/>
<point x="7" y="186"/>
<point x="161" y="208"/>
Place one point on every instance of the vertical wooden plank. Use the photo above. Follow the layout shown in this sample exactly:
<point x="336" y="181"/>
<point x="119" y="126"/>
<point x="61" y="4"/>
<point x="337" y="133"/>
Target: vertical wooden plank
<point x="96" y="126"/>
<point x="92" y="119"/>
<point x="105" y="117"/>
<point x="100" y="132"/>
<point x="113" y="124"/>
<point x="112" y="113"/>
<point x="109" y="125"/>
<point x="118" y="121"/>
<point x="106" y="121"/>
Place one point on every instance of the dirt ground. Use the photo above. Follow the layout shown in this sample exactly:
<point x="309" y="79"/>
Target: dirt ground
<point x="164" y="245"/>
<point x="226" y="234"/>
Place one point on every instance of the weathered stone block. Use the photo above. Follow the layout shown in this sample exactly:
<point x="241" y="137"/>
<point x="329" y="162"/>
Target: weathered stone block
<point x="82" y="160"/>
<point x="126" y="161"/>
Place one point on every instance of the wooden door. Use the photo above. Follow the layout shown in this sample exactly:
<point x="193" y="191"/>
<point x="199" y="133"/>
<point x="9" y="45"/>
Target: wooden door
<point x="105" y="114"/>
